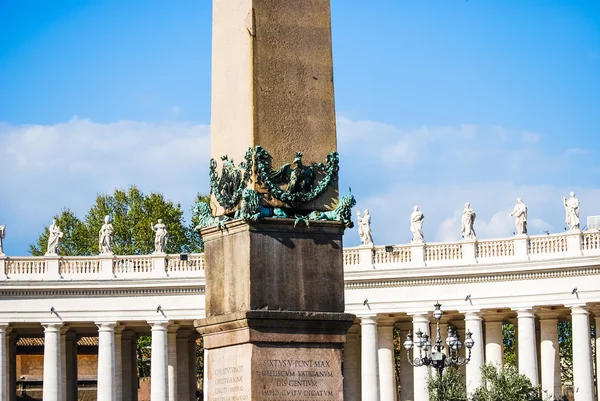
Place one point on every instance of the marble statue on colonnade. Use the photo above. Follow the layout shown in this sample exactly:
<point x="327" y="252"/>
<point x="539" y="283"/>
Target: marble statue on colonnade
<point x="364" y="228"/>
<point x="520" y="214"/>
<point x="161" y="237"/>
<point x="105" y="237"/>
<point x="2" y="236"/>
<point x="468" y="221"/>
<point x="54" y="236"/>
<point x="571" y="211"/>
<point x="416" y="224"/>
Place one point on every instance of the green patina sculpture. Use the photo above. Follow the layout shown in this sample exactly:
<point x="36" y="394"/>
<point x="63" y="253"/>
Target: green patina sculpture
<point x="228" y="188"/>
<point x="342" y="213"/>
<point x="206" y="218"/>
<point x="251" y="209"/>
<point x="298" y="178"/>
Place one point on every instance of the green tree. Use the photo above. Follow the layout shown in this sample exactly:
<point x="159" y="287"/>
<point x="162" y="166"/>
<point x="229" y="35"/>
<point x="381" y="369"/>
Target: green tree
<point x="505" y="384"/>
<point x="74" y="241"/>
<point x="132" y="213"/>
<point x="510" y="344"/>
<point x="565" y="351"/>
<point x="450" y="386"/>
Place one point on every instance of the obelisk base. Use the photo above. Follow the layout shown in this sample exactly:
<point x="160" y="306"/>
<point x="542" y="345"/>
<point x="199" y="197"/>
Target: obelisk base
<point x="274" y="355"/>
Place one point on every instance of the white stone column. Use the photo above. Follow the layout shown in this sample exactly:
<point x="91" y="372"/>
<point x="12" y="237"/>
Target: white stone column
<point x="63" y="363"/>
<point x="385" y="359"/>
<point x="106" y="361"/>
<point x="183" y="365"/>
<point x="550" y="359"/>
<point x="583" y="382"/>
<point x="406" y="369"/>
<point x="119" y="362"/>
<point x="4" y="376"/>
<point x="421" y="373"/>
<point x="52" y="366"/>
<point x="526" y="344"/>
<point x="494" y="343"/>
<point x="172" y="361"/>
<point x="473" y="368"/>
<point x="352" y="365"/>
<point x="598" y="353"/>
<point x="368" y="358"/>
<point x="159" y="388"/>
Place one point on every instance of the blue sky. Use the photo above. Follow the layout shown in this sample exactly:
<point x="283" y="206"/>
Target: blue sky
<point x="438" y="103"/>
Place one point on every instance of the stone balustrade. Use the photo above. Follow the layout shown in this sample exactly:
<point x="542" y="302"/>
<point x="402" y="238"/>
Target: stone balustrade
<point x="519" y="248"/>
<point x="488" y="252"/>
<point x="102" y="267"/>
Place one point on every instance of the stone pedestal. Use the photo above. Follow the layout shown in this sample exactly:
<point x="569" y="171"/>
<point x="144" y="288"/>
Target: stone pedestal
<point x="274" y="304"/>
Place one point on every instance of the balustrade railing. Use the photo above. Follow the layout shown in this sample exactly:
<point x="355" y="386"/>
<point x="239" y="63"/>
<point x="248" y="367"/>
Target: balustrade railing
<point x="443" y="252"/>
<point x="132" y="264"/>
<point x="397" y="254"/>
<point x="78" y="265"/>
<point x="547" y="244"/>
<point x="496" y="249"/>
<point x="351" y="257"/>
<point x="518" y="248"/>
<point x="591" y="241"/>
<point x="176" y="265"/>
<point x="25" y="268"/>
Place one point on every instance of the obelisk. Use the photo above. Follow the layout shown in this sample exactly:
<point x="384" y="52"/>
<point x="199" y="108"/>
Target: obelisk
<point x="275" y="321"/>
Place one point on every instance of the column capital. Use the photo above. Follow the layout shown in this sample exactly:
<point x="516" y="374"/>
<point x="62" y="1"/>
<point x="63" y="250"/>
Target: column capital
<point x="106" y="326"/>
<point x="119" y="328"/>
<point x="4" y="326"/>
<point x="52" y="327"/>
<point x="128" y="334"/>
<point x="578" y="309"/>
<point x="472" y="315"/>
<point x="64" y="330"/>
<point x="371" y="319"/>
<point x="526" y="313"/>
<point x="420" y="317"/>
<point x="158" y="325"/>
<point x="173" y="328"/>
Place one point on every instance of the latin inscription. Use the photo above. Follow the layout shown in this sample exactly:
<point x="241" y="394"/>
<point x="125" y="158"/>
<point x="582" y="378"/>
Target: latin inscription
<point x="297" y="380"/>
<point x="227" y="384"/>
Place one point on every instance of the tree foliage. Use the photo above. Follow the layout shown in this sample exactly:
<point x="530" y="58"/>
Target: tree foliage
<point x="450" y="386"/>
<point x="505" y="384"/>
<point x="565" y="351"/>
<point x="132" y="213"/>
<point x="510" y="344"/>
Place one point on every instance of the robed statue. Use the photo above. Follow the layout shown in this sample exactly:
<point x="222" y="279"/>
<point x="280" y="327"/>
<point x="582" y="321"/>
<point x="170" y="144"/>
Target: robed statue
<point x="416" y="224"/>
<point x="571" y="211"/>
<point x="54" y="236"/>
<point x="520" y="214"/>
<point x="161" y="236"/>
<point x="2" y="235"/>
<point x="468" y="221"/>
<point x="105" y="237"/>
<point x="364" y="228"/>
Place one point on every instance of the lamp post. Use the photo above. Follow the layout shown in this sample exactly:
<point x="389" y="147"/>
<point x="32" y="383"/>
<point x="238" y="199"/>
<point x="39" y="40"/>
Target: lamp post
<point x="434" y="355"/>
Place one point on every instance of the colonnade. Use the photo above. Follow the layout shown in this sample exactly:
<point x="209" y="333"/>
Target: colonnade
<point x="369" y="365"/>
<point x="173" y="362"/>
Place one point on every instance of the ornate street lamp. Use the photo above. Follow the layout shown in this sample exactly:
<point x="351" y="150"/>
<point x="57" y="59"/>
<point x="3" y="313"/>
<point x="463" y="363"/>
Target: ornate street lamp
<point x="435" y="356"/>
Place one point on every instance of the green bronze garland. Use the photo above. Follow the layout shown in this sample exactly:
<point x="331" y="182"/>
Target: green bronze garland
<point x="299" y="177"/>
<point x="228" y="189"/>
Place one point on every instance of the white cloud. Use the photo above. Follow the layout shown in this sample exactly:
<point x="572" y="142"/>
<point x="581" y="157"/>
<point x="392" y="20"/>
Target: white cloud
<point x="49" y="167"/>
<point x="390" y="169"/>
